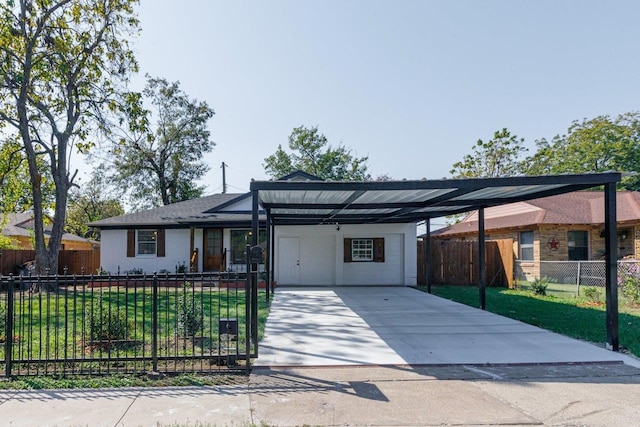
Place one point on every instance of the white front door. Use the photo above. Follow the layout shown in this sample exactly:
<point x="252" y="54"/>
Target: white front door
<point x="289" y="261"/>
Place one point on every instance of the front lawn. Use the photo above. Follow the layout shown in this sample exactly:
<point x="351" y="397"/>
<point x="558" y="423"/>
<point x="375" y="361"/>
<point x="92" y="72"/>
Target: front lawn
<point x="575" y="317"/>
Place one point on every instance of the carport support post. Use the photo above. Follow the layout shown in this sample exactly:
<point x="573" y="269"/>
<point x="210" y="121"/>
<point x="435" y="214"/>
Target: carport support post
<point x="254" y="272"/>
<point x="267" y="259"/>
<point x="272" y="256"/>
<point x="482" y="271"/>
<point x="611" y="265"/>
<point x="427" y="254"/>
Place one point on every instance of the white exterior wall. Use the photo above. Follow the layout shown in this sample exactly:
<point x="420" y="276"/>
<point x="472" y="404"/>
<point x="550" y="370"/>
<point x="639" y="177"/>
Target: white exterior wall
<point x="321" y="255"/>
<point x="113" y="252"/>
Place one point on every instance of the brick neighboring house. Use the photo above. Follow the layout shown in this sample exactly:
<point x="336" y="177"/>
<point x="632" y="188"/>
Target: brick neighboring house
<point x="567" y="227"/>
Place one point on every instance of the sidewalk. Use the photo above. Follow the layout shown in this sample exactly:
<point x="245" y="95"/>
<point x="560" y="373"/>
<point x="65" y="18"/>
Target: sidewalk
<point x="585" y="394"/>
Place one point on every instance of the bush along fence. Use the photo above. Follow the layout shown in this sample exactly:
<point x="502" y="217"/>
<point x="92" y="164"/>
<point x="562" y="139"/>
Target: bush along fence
<point x="581" y="276"/>
<point x="171" y="323"/>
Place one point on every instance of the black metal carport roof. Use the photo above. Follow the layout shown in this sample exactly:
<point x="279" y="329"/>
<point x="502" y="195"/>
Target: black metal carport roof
<point x="325" y="202"/>
<point x="319" y="202"/>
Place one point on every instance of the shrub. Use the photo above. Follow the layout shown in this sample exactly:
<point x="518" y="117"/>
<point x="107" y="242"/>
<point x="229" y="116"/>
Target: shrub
<point x="539" y="286"/>
<point x="189" y="314"/>
<point x="629" y="280"/>
<point x="592" y="293"/>
<point x="104" y="322"/>
<point x="181" y="268"/>
<point x="631" y="289"/>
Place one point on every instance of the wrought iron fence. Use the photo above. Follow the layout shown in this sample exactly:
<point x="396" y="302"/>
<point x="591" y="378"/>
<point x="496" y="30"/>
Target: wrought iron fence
<point x="577" y="274"/>
<point x="110" y="324"/>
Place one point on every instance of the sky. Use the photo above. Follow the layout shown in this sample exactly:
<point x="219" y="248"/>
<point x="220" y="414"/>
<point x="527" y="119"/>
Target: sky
<point x="410" y="84"/>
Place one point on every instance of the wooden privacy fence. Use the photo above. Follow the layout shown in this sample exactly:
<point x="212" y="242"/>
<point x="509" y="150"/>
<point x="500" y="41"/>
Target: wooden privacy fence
<point x="69" y="261"/>
<point x="456" y="263"/>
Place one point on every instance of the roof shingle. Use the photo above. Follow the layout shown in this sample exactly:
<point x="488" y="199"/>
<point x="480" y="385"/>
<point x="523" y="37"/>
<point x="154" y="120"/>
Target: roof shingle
<point x="581" y="207"/>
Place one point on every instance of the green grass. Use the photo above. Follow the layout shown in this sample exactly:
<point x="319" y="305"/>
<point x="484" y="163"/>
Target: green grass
<point x="117" y="381"/>
<point x="53" y="325"/>
<point x="576" y="317"/>
<point x="47" y="322"/>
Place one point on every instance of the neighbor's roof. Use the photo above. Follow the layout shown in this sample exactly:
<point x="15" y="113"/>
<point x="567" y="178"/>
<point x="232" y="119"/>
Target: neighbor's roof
<point x="578" y="208"/>
<point x="323" y="202"/>
<point x="204" y="210"/>
<point x="21" y="224"/>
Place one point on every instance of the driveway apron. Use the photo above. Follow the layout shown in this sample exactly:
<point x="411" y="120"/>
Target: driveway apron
<point x="352" y="326"/>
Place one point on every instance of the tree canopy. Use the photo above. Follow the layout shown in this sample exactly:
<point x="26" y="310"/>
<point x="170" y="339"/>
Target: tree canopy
<point x="62" y="62"/>
<point x="15" y="191"/>
<point x="311" y="153"/>
<point x="601" y="144"/>
<point x="158" y="157"/>
<point x="89" y="203"/>
<point x="497" y="157"/>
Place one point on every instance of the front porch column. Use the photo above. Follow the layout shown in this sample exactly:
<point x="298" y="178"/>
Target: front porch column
<point x="193" y="254"/>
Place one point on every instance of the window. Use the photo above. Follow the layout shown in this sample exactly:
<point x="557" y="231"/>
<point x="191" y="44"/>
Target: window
<point x="364" y="249"/>
<point x="147" y="242"/>
<point x="361" y="250"/>
<point x="239" y="241"/>
<point x="578" y="243"/>
<point x="526" y="246"/>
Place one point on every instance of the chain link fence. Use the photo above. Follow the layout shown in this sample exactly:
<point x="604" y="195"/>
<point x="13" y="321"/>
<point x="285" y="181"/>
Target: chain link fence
<point x="571" y="276"/>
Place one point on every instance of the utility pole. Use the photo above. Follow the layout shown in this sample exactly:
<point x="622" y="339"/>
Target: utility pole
<point x="224" y="179"/>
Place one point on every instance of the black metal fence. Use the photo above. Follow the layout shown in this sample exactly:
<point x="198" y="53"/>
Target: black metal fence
<point x="205" y="323"/>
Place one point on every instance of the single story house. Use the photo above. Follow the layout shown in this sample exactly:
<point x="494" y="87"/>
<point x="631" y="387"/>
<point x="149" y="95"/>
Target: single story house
<point x="338" y="233"/>
<point x="19" y="228"/>
<point x="563" y="227"/>
<point x="211" y="234"/>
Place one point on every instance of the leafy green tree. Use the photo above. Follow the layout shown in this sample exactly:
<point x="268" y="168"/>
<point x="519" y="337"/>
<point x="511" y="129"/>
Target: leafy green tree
<point x="497" y="157"/>
<point x="61" y="64"/>
<point x="600" y="144"/>
<point x="91" y="203"/>
<point x="312" y="154"/>
<point x="159" y="164"/>
<point x="15" y="190"/>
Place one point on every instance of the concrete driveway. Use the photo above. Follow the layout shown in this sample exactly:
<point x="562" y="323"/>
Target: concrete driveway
<point x="352" y="326"/>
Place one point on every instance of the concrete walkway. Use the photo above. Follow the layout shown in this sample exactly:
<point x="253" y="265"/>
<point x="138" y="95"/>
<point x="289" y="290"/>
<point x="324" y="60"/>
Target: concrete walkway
<point x="353" y="326"/>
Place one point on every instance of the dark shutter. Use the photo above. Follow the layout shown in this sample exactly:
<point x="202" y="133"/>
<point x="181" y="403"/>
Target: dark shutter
<point x="378" y="249"/>
<point x="131" y="243"/>
<point x="160" y="243"/>
<point x="347" y="250"/>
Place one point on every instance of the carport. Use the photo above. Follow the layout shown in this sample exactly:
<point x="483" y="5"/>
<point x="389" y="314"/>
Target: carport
<point x="326" y="202"/>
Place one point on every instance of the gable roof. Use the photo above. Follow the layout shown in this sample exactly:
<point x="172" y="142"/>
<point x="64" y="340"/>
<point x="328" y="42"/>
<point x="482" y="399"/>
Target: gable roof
<point x="203" y="210"/>
<point x="577" y="208"/>
<point x="21" y="225"/>
<point x="299" y="175"/>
